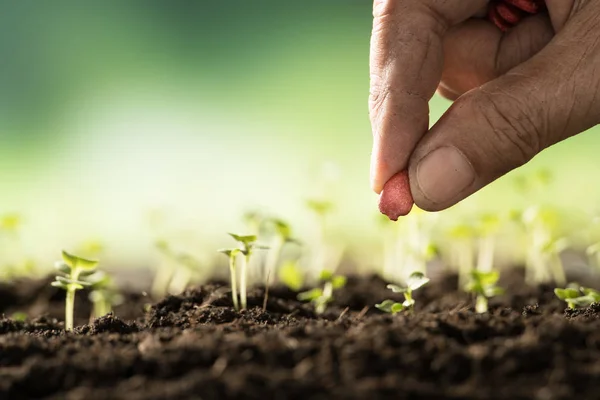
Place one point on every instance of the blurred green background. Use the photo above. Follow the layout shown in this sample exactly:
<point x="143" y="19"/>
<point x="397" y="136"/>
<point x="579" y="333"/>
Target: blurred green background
<point x="113" y="111"/>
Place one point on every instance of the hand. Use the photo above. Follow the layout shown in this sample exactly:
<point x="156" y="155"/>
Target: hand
<point x="515" y="93"/>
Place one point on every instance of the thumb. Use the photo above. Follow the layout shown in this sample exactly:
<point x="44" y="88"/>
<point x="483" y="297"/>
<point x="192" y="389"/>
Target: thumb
<point x="502" y="125"/>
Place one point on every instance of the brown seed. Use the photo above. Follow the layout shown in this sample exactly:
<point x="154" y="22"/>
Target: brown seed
<point x="396" y="199"/>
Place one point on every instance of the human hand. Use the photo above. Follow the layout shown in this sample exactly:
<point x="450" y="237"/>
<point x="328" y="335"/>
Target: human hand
<point x="515" y="93"/>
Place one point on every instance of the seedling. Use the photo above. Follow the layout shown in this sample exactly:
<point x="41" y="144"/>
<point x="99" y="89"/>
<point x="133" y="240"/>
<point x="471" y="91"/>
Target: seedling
<point x="253" y="220"/>
<point x="487" y="228"/>
<point x="104" y="295"/>
<point x="282" y="236"/>
<point x="321" y="297"/>
<point x="415" y="281"/>
<point x="576" y="296"/>
<point x="247" y="247"/>
<point x="543" y="261"/>
<point x="483" y="286"/>
<point x="321" y="209"/>
<point x="232" y="255"/>
<point x="464" y="251"/>
<point x="73" y="273"/>
<point x="291" y="275"/>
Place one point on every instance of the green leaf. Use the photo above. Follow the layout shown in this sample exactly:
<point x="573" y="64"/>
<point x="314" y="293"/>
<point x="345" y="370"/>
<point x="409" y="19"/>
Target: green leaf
<point x="62" y="267"/>
<point x="592" y="293"/>
<point x="59" y="285"/>
<point x="78" y="262"/>
<point x="485" y="278"/>
<point x="581" y="301"/>
<point x="282" y="228"/>
<point x="245" y="240"/>
<point x="493" y="291"/>
<point x="291" y="275"/>
<point x="565" y="294"/>
<point x="310" y="295"/>
<point x="397" y="307"/>
<point x="388" y="306"/>
<point x="416" y="280"/>
<point x="230" y="252"/>
<point x="338" y="281"/>
<point x="321" y="207"/>
<point x="325" y="276"/>
<point x="396" y="288"/>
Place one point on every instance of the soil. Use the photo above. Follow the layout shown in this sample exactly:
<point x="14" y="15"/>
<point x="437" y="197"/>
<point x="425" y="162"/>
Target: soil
<point x="195" y="346"/>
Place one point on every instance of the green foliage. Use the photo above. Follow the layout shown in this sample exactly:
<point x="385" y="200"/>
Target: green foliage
<point x="291" y="275"/>
<point x="577" y="296"/>
<point x="320" y="207"/>
<point x="415" y="281"/>
<point x="104" y="294"/>
<point x="73" y="275"/>
<point x="483" y="286"/>
<point x="321" y="297"/>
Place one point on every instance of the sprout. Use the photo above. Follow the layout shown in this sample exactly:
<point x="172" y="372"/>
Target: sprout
<point x="415" y="281"/>
<point x="543" y="262"/>
<point x="487" y="229"/>
<point x="321" y="297"/>
<point x="232" y="255"/>
<point x="73" y="272"/>
<point x="247" y="247"/>
<point x="291" y="275"/>
<point x="464" y="251"/>
<point x="164" y="272"/>
<point x="321" y="209"/>
<point x="103" y="295"/>
<point x="253" y="220"/>
<point x="577" y="296"/>
<point x="483" y="286"/>
<point x="283" y="235"/>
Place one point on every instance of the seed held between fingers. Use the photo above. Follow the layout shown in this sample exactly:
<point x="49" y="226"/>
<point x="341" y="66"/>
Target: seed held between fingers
<point x="396" y="199"/>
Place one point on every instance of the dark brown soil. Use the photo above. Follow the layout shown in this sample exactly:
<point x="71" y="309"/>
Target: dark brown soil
<point x="194" y="346"/>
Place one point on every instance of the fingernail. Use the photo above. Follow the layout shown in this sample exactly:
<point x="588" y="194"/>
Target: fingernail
<point x="443" y="174"/>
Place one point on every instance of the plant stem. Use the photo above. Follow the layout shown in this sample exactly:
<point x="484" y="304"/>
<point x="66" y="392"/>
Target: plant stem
<point x="485" y="256"/>
<point x="243" y="272"/>
<point x="234" y="295"/>
<point x="69" y="309"/>
<point x="481" y="304"/>
<point x="271" y="265"/>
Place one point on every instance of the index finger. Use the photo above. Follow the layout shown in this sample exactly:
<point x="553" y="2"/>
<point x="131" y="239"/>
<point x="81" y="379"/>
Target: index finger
<point x="405" y="69"/>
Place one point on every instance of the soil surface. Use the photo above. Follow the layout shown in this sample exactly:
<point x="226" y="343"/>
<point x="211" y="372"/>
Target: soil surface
<point x="195" y="346"/>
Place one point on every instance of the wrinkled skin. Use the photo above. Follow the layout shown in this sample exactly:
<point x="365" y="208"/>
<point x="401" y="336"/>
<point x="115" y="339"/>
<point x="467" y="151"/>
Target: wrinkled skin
<point x="515" y="93"/>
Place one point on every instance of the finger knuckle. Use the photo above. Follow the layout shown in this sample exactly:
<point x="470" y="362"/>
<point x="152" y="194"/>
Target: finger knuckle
<point x="516" y="138"/>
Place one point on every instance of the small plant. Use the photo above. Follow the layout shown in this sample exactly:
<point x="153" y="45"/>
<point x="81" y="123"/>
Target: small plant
<point x="232" y="255"/>
<point x="463" y="251"/>
<point x="104" y="295"/>
<point x="576" y="296"/>
<point x="483" y="286"/>
<point x="282" y="236"/>
<point x="322" y="210"/>
<point x="415" y="281"/>
<point x="247" y="247"/>
<point x="320" y="297"/>
<point x="73" y="273"/>
<point x="291" y="275"/>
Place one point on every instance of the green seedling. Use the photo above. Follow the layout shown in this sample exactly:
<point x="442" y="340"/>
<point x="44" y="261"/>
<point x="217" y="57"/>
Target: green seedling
<point x="74" y="272"/>
<point x="164" y="272"/>
<point x="464" y="250"/>
<point x="483" y="286"/>
<point x="487" y="229"/>
<point x="321" y="297"/>
<point x="104" y="295"/>
<point x="322" y="209"/>
<point x="247" y="246"/>
<point x="282" y="236"/>
<point x="253" y="220"/>
<point x="186" y="266"/>
<point x="543" y="261"/>
<point x="415" y="281"/>
<point x="576" y="296"/>
<point x="290" y="274"/>
<point x="232" y="255"/>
